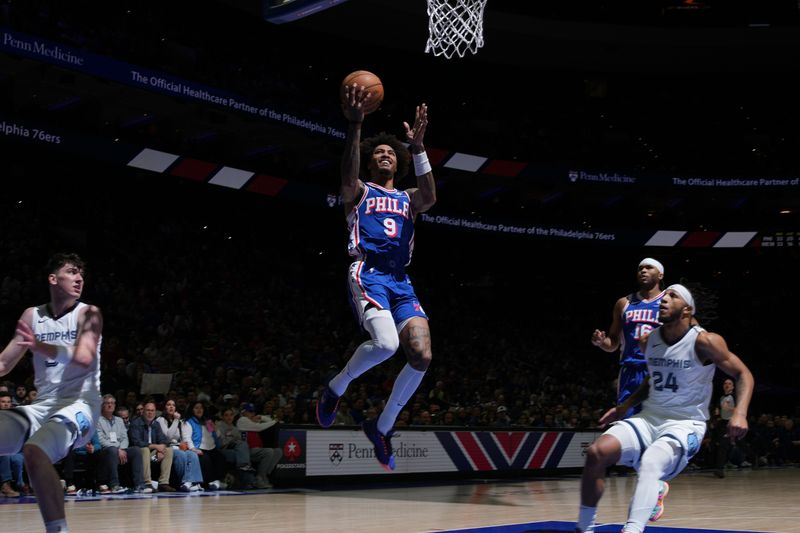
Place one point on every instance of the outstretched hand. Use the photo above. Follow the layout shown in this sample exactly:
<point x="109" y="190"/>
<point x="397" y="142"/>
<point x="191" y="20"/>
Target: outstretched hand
<point x="355" y="98"/>
<point x="416" y="134"/>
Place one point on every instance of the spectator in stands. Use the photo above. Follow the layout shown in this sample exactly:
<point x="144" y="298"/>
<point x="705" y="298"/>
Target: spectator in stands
<point x="10" y="465"/>
<point x="185" y="461"/>
<point x="87" y="457"/>
<point x="20" y="395"/>
<point x="234" y="448"/>
<point x="788" y="443"/>
<point x="257" y="428"/>
<point x="125" y="416"/>
<point x="113" y="452"/>
<point x="502" y="419"/>
<point x="146" y="435"/>
<point x="31" y="396"/>
<point x="204" y="444"/>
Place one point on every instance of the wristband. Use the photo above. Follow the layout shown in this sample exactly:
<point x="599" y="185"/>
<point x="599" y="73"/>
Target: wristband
<point x="421" y="164"/>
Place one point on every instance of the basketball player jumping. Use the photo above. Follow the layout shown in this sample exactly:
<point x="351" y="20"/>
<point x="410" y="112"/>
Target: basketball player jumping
<point x="660" y="440"/>
<point x="381" y="223"/>
<point x="634" y="315"/>
<point x="64" y="336"/>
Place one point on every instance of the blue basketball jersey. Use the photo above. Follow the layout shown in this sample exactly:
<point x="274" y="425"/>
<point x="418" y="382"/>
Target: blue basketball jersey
<point x="381" y="224"/>
<point x="639" y="317"/>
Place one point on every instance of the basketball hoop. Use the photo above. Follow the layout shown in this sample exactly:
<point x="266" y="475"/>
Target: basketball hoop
<point x="455" y="26"/>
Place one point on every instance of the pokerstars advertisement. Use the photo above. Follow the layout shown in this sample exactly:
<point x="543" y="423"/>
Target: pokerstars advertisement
<point x="293" y="461"/>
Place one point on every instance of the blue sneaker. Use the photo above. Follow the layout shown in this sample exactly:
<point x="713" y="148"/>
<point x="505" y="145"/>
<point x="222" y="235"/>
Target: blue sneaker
<point x="382" y="443"/>
<point x="326" y="408"/>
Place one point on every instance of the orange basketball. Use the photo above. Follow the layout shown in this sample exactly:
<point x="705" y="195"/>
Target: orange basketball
<point x="371" y="83"/>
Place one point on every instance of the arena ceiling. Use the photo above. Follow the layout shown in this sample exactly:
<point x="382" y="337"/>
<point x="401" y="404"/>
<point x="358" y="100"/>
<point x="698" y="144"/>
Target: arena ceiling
<point x="591" y="48"/>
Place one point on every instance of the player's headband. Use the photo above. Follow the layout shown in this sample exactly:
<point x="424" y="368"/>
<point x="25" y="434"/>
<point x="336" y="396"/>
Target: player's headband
<point x="652" y="262"/>
<point x="685" y="294"/>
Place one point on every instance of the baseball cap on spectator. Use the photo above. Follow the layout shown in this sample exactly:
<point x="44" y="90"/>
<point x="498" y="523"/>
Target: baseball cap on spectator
<point x="227" y="397"/>
<point x="248" y="407"/>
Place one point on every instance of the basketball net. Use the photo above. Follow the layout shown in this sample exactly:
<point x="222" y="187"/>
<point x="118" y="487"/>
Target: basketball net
<point x="455" y="26"/>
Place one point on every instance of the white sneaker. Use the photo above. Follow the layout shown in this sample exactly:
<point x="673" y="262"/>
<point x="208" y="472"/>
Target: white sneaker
<point x="195" y="487"/>
<point x="215" y="485"/>
<point x="745" y="464"/>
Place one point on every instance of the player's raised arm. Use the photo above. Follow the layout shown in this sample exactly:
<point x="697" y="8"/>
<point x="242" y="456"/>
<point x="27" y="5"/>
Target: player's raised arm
<point x="17" y="347"/>
<point x="424" y="196"/>
<point x="353" y="109"/>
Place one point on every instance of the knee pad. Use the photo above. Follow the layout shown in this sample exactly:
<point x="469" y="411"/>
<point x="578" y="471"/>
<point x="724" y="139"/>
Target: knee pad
<point x="14" y="428"/>
<point x="55" y="438"/>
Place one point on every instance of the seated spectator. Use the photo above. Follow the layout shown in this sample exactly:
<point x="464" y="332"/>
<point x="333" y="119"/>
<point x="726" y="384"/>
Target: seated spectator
<point x="31" y="396"/>
<point x="204" y="444"/>
<point x="146" y="435"/>
<point x="10" y="465"/>
<point x="114" y="452"/>
<point x="85" y="455"/>
<point x="185" y="461"/>
<point x="6" y="466"/>
<point x="20" y="395"/>
<point x="258" y="431"/>
<point x="234" y="449"/>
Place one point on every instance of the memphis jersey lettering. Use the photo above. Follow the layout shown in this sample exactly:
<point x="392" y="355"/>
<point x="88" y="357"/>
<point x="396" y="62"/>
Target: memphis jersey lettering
<point x="639" y="317"/>
<point x="55" y="379"/>
<point x="680" y="384"/>
<point x="381" y="224"/>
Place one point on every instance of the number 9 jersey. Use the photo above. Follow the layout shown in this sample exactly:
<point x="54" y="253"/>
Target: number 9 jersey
<point x="381" y="224"/>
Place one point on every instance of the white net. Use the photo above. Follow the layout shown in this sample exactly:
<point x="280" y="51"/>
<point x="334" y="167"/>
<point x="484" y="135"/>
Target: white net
<point x="455" y="26"/>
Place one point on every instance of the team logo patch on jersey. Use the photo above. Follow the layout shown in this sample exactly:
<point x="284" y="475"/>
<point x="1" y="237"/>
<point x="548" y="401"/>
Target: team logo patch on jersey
<point x="693" y="443"/>
<point x="84" y="424"/>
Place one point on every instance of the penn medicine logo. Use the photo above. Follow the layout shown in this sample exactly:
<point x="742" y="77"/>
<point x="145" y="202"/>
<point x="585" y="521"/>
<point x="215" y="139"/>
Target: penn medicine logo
<point x="336" y="453"/>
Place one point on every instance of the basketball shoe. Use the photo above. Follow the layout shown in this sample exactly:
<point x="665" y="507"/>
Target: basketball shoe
<point x="382" y="443"/>
<point x="326" y="407"/>
<point x="658" y="510"/>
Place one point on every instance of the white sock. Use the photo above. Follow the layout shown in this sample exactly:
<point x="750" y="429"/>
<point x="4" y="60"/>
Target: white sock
<point x="383" y="344"/>
<point x="405" y="386"/>
<point x="586" y="516"/>
<point x="56" y="526"/>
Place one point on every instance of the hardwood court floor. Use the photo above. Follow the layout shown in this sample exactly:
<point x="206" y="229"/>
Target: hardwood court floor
<point x="764" y="500"/>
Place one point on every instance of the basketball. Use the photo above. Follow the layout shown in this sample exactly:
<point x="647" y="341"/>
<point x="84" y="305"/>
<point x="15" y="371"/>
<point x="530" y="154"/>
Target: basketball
<point x="371" y="83"/>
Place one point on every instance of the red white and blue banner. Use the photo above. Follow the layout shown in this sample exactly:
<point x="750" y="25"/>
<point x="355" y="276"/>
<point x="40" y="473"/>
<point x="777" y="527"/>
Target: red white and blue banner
<point x="348" y="452"/>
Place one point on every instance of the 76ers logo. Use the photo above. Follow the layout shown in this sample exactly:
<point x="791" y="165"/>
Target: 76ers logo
<point x="291" y="450"/>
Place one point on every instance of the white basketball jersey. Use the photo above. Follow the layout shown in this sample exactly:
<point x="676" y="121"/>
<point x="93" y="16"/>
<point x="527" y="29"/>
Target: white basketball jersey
<point x="680" y="384"/>
<point x="59" y="380"/>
